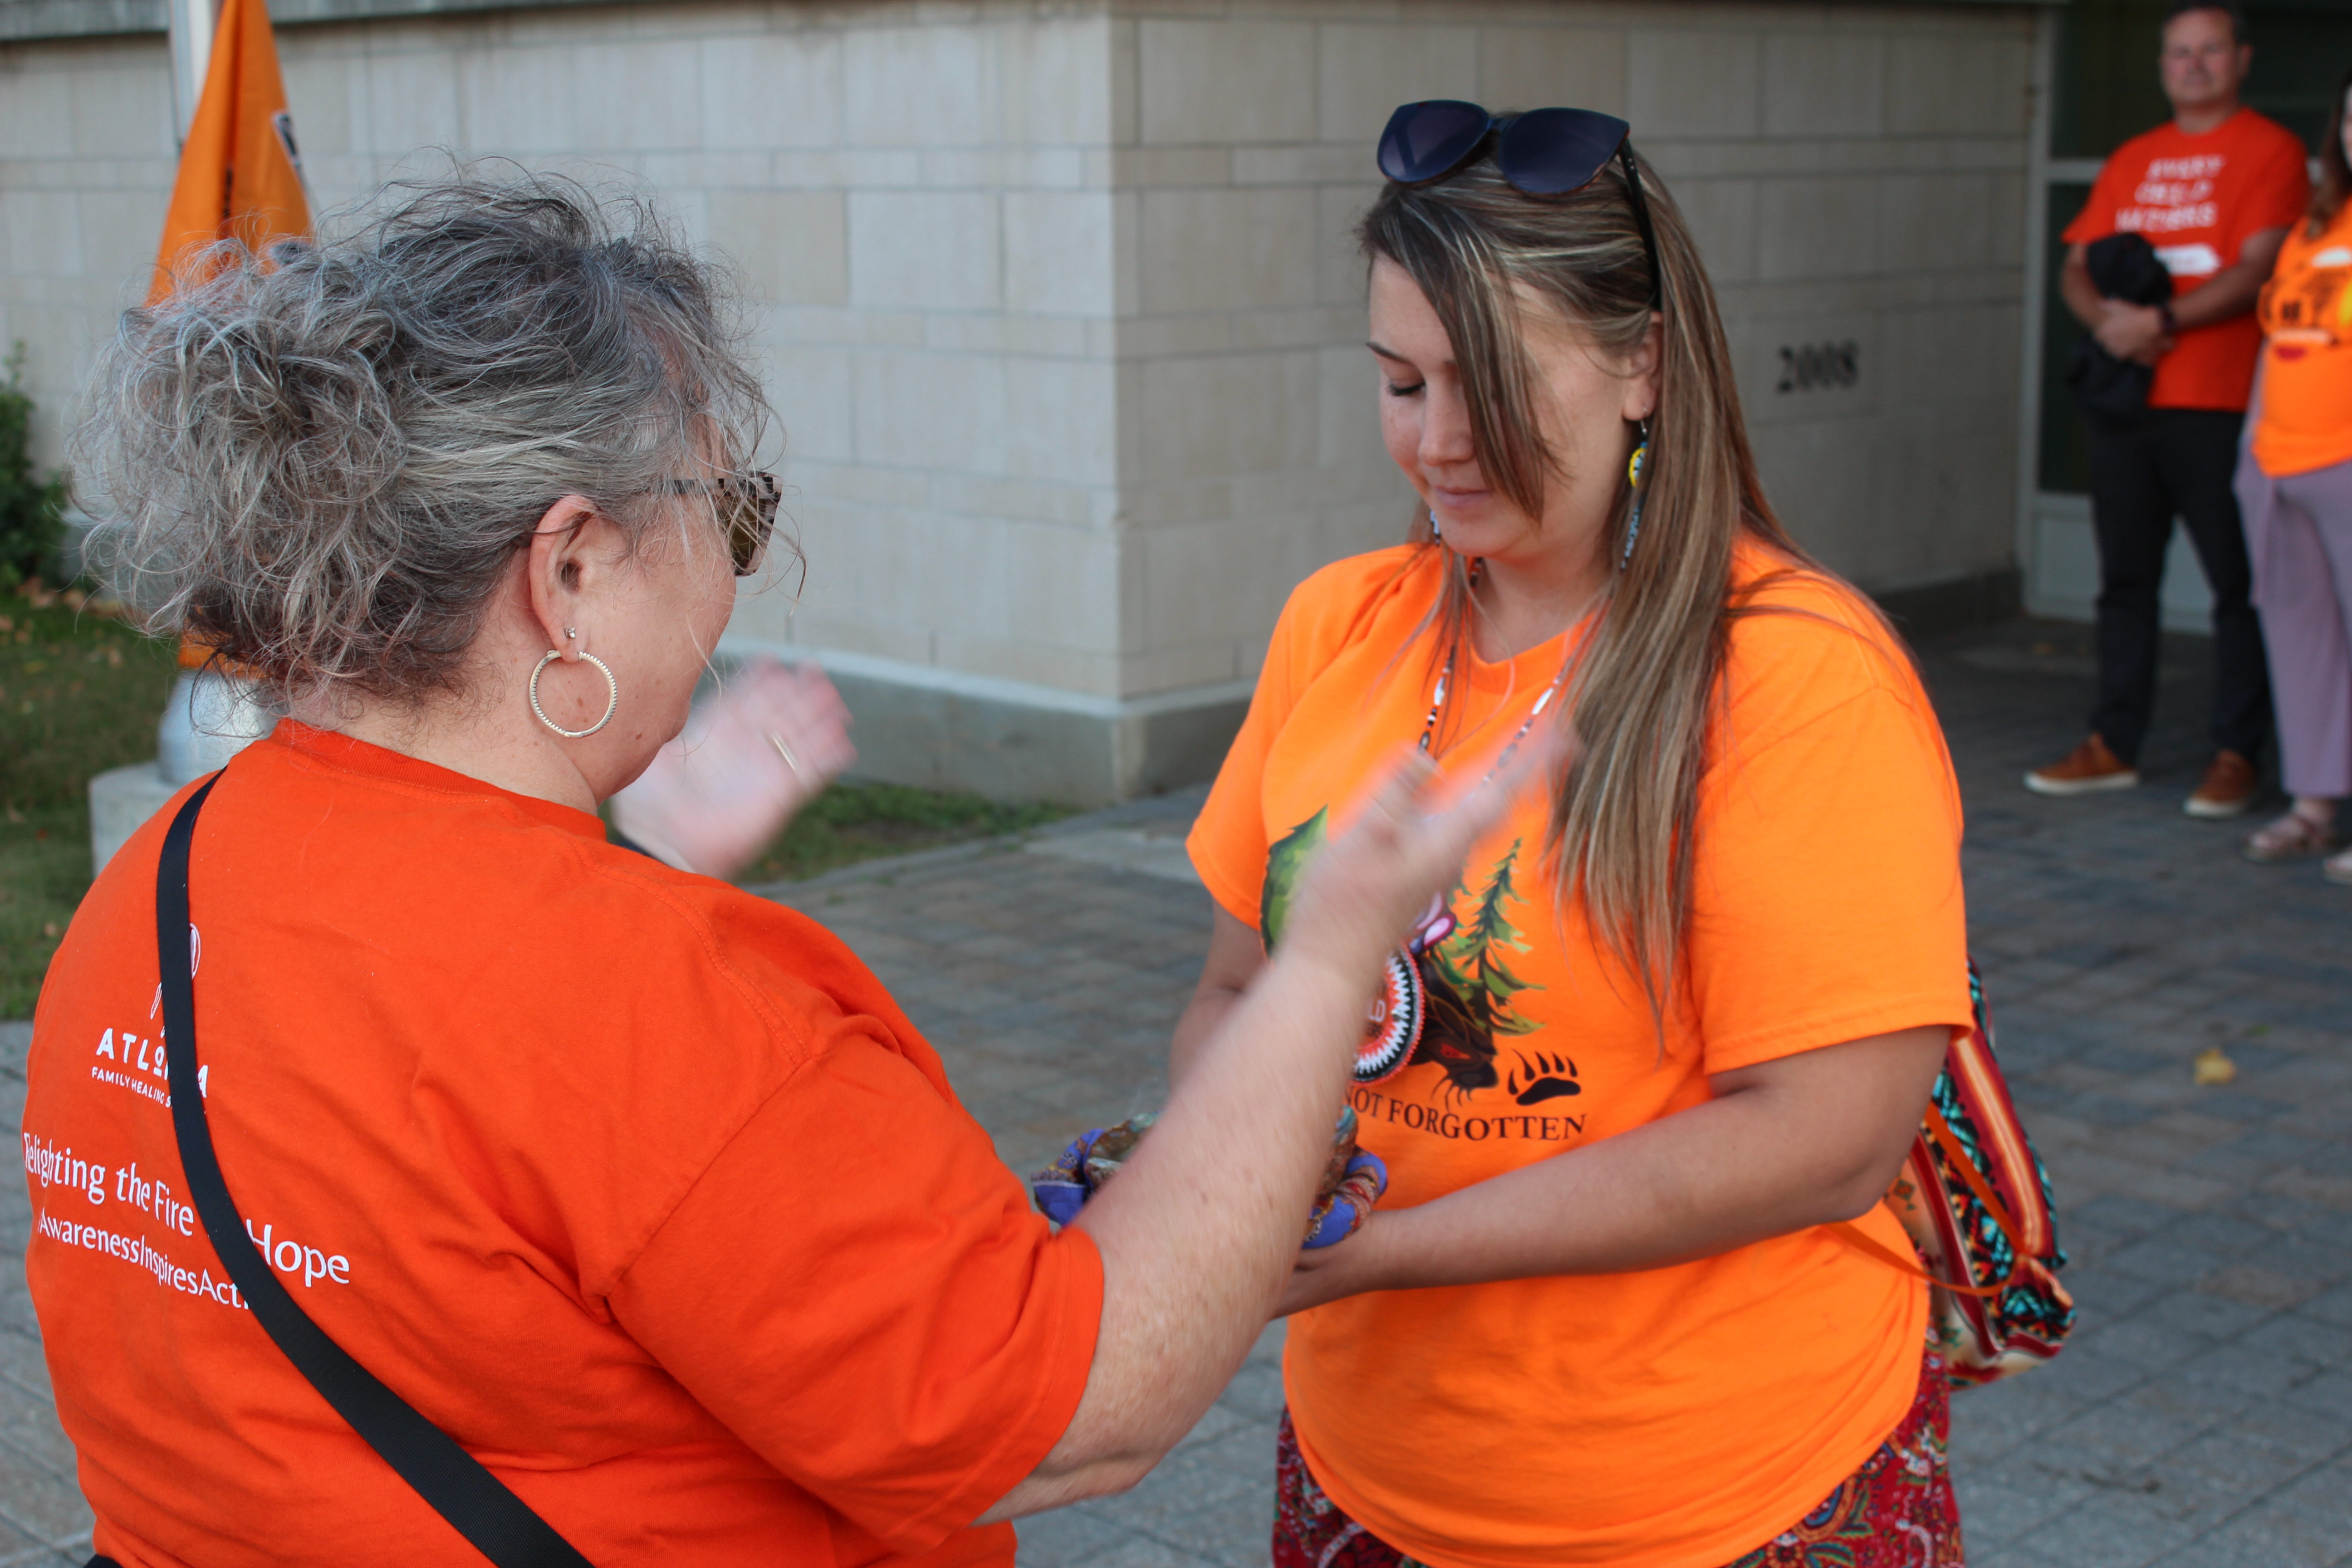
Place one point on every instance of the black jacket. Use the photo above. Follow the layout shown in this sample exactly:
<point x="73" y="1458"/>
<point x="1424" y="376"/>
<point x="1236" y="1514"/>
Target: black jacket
<point x="2113" y="392"/>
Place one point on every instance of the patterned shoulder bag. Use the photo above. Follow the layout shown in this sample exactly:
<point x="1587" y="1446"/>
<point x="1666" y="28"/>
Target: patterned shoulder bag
<point x="1975" y="1198"/>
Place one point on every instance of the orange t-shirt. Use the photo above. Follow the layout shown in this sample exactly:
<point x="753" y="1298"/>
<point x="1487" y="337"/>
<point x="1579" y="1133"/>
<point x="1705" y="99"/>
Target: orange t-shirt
<point x="639" y="1186"/>
<point x="2306" y="319"/>
<point x="2198" y="199"/>
<point x="1679" y="1416"/>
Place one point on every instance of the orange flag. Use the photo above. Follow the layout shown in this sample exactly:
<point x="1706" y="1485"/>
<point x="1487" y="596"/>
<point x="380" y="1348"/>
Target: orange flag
<point x="240" y="176"/>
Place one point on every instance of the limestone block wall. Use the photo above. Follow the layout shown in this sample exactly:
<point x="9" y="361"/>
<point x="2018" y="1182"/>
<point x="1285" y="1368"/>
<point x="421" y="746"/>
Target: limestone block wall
<point x="1855" y="175"/>
<point x="86" y="165"/>
<point x="911" y="206"/>
<point x="920" y="212"/>
<point x="1059" y="306"/>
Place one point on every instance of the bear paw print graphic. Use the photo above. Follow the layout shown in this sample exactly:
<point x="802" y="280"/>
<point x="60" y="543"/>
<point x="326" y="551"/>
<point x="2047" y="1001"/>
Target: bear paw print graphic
<point x="1543" y="1077"/>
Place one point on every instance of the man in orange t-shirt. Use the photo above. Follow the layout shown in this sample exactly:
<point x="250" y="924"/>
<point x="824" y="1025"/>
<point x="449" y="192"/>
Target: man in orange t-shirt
<point x="2213" y="192"/>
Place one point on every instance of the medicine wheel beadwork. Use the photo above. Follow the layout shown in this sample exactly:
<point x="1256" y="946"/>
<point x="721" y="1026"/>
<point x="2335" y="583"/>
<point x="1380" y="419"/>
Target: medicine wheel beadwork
<point x="1392" y="1024"/>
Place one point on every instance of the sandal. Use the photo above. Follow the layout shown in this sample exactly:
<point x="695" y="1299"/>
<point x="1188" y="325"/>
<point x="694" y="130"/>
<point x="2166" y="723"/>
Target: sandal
<point x="2338" y="868"/>
<point x="2293" y="836"/>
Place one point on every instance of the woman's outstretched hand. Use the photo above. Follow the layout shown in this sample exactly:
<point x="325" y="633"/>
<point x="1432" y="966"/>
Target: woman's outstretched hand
<point x="1201" y="1230"/>
<point x="713" y="798"/>
<point x="1364" y="890"/>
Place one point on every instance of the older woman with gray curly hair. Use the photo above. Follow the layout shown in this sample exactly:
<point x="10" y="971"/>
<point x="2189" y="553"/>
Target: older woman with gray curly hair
<point x="636" y="1194"/>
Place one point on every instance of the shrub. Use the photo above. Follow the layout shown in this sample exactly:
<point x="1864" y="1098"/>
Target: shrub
<point x="32" y="514"/>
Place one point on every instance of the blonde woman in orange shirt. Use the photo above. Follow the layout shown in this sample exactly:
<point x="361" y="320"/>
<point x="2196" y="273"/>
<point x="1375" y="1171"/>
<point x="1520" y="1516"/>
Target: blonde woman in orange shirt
<point x="2295" y="486"/>
<point x="1681" y="1018"/>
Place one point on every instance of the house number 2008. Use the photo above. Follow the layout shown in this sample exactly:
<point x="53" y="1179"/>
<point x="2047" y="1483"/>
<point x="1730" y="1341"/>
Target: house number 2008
<point x="1817" y="366"/>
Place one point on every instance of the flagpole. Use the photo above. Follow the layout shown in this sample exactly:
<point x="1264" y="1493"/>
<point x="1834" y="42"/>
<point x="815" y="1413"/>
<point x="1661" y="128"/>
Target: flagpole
<point x="192" y="23"/>
<point x="239" y="178"/>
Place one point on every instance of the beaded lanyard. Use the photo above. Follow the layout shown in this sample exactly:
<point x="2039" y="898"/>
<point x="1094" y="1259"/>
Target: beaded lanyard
<point x="1446" y="678"/>
<point x="1394" y="1026"/>
<point x="1636" y="475"/>
<point x="1437" y="702"/>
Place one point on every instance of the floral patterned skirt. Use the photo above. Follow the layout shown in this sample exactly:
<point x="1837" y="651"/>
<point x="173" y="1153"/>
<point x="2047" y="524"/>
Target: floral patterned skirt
<point x="1895" y="1512"/>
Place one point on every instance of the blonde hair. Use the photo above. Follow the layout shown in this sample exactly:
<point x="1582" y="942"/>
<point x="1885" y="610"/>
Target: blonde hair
<point x="1644" y="692"/>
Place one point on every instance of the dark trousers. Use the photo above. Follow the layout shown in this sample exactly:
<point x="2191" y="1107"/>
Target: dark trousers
<point x="2173" y="462"/>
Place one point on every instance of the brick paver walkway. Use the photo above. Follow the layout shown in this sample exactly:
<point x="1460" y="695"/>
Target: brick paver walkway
<point x="2202" y="1415"/>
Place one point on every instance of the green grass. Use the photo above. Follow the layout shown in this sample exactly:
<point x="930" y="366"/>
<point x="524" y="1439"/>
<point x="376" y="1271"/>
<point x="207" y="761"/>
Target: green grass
<point x="80" y="693"/>
<point x="853" y="822"/>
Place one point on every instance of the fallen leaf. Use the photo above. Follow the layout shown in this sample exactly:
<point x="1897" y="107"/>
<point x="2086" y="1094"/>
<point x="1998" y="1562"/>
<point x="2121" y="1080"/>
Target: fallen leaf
<point x="2214" y="1065"/>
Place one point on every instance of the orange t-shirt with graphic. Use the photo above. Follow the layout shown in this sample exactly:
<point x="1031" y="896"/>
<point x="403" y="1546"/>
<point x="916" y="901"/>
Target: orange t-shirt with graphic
<point x="2306" y="320"/>
<point x="2198" y="199"/>
<point x="640" y="1187"/>
<point x="1679" y="1416"/>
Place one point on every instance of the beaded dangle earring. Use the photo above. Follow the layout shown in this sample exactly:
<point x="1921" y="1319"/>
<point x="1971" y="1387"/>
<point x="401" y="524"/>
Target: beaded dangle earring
<point x="1637" y="476"/>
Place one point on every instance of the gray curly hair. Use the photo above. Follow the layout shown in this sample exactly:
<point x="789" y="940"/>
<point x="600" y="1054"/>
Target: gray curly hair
<point x="319" y="460"/>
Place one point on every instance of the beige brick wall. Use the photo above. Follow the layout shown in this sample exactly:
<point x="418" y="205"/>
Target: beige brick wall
<point x="1058" y="302"/>
<point x="919" y="203"/>
<point x="1856" y="175"/>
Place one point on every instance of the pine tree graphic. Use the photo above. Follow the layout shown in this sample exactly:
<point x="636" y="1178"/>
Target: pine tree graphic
<point x="1285" y="861"/>
<point x="1473" y="962"/>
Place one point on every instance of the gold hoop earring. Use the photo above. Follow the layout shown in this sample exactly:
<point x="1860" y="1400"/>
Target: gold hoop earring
<point x="612" y="695"/>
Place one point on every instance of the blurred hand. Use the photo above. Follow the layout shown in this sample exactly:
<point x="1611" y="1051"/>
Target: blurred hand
<point x="1366" y="889"/>
<point x="719" y="794"/>
<point x="2131" y="331"/>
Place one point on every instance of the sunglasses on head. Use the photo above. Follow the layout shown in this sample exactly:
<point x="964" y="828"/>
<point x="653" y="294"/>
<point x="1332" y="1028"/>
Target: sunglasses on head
<point x="1543" y="153"/>
<point x="745" y="506"/>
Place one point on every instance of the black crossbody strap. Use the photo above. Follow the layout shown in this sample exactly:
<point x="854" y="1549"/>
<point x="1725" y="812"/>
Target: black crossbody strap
<point x="500" y="1524"/>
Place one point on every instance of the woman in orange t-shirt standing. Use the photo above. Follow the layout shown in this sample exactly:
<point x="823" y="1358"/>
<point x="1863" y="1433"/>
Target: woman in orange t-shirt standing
<point x="1678" y="1020"/>
<point x="639" y="1187"/>
<point x="2295" y="486"/>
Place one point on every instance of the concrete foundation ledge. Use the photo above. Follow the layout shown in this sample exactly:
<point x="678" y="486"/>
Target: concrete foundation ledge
<point x="1008" y="740"/>
<point x="1955" y="604"/>
<point x="942" y="730"/>
<point x="120" y="802"/>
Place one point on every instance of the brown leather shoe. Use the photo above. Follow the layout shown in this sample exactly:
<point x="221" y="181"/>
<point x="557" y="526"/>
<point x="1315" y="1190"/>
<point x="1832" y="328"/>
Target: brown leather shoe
<point x="2228" y="788"/>
<point x="2088" y="768"/>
